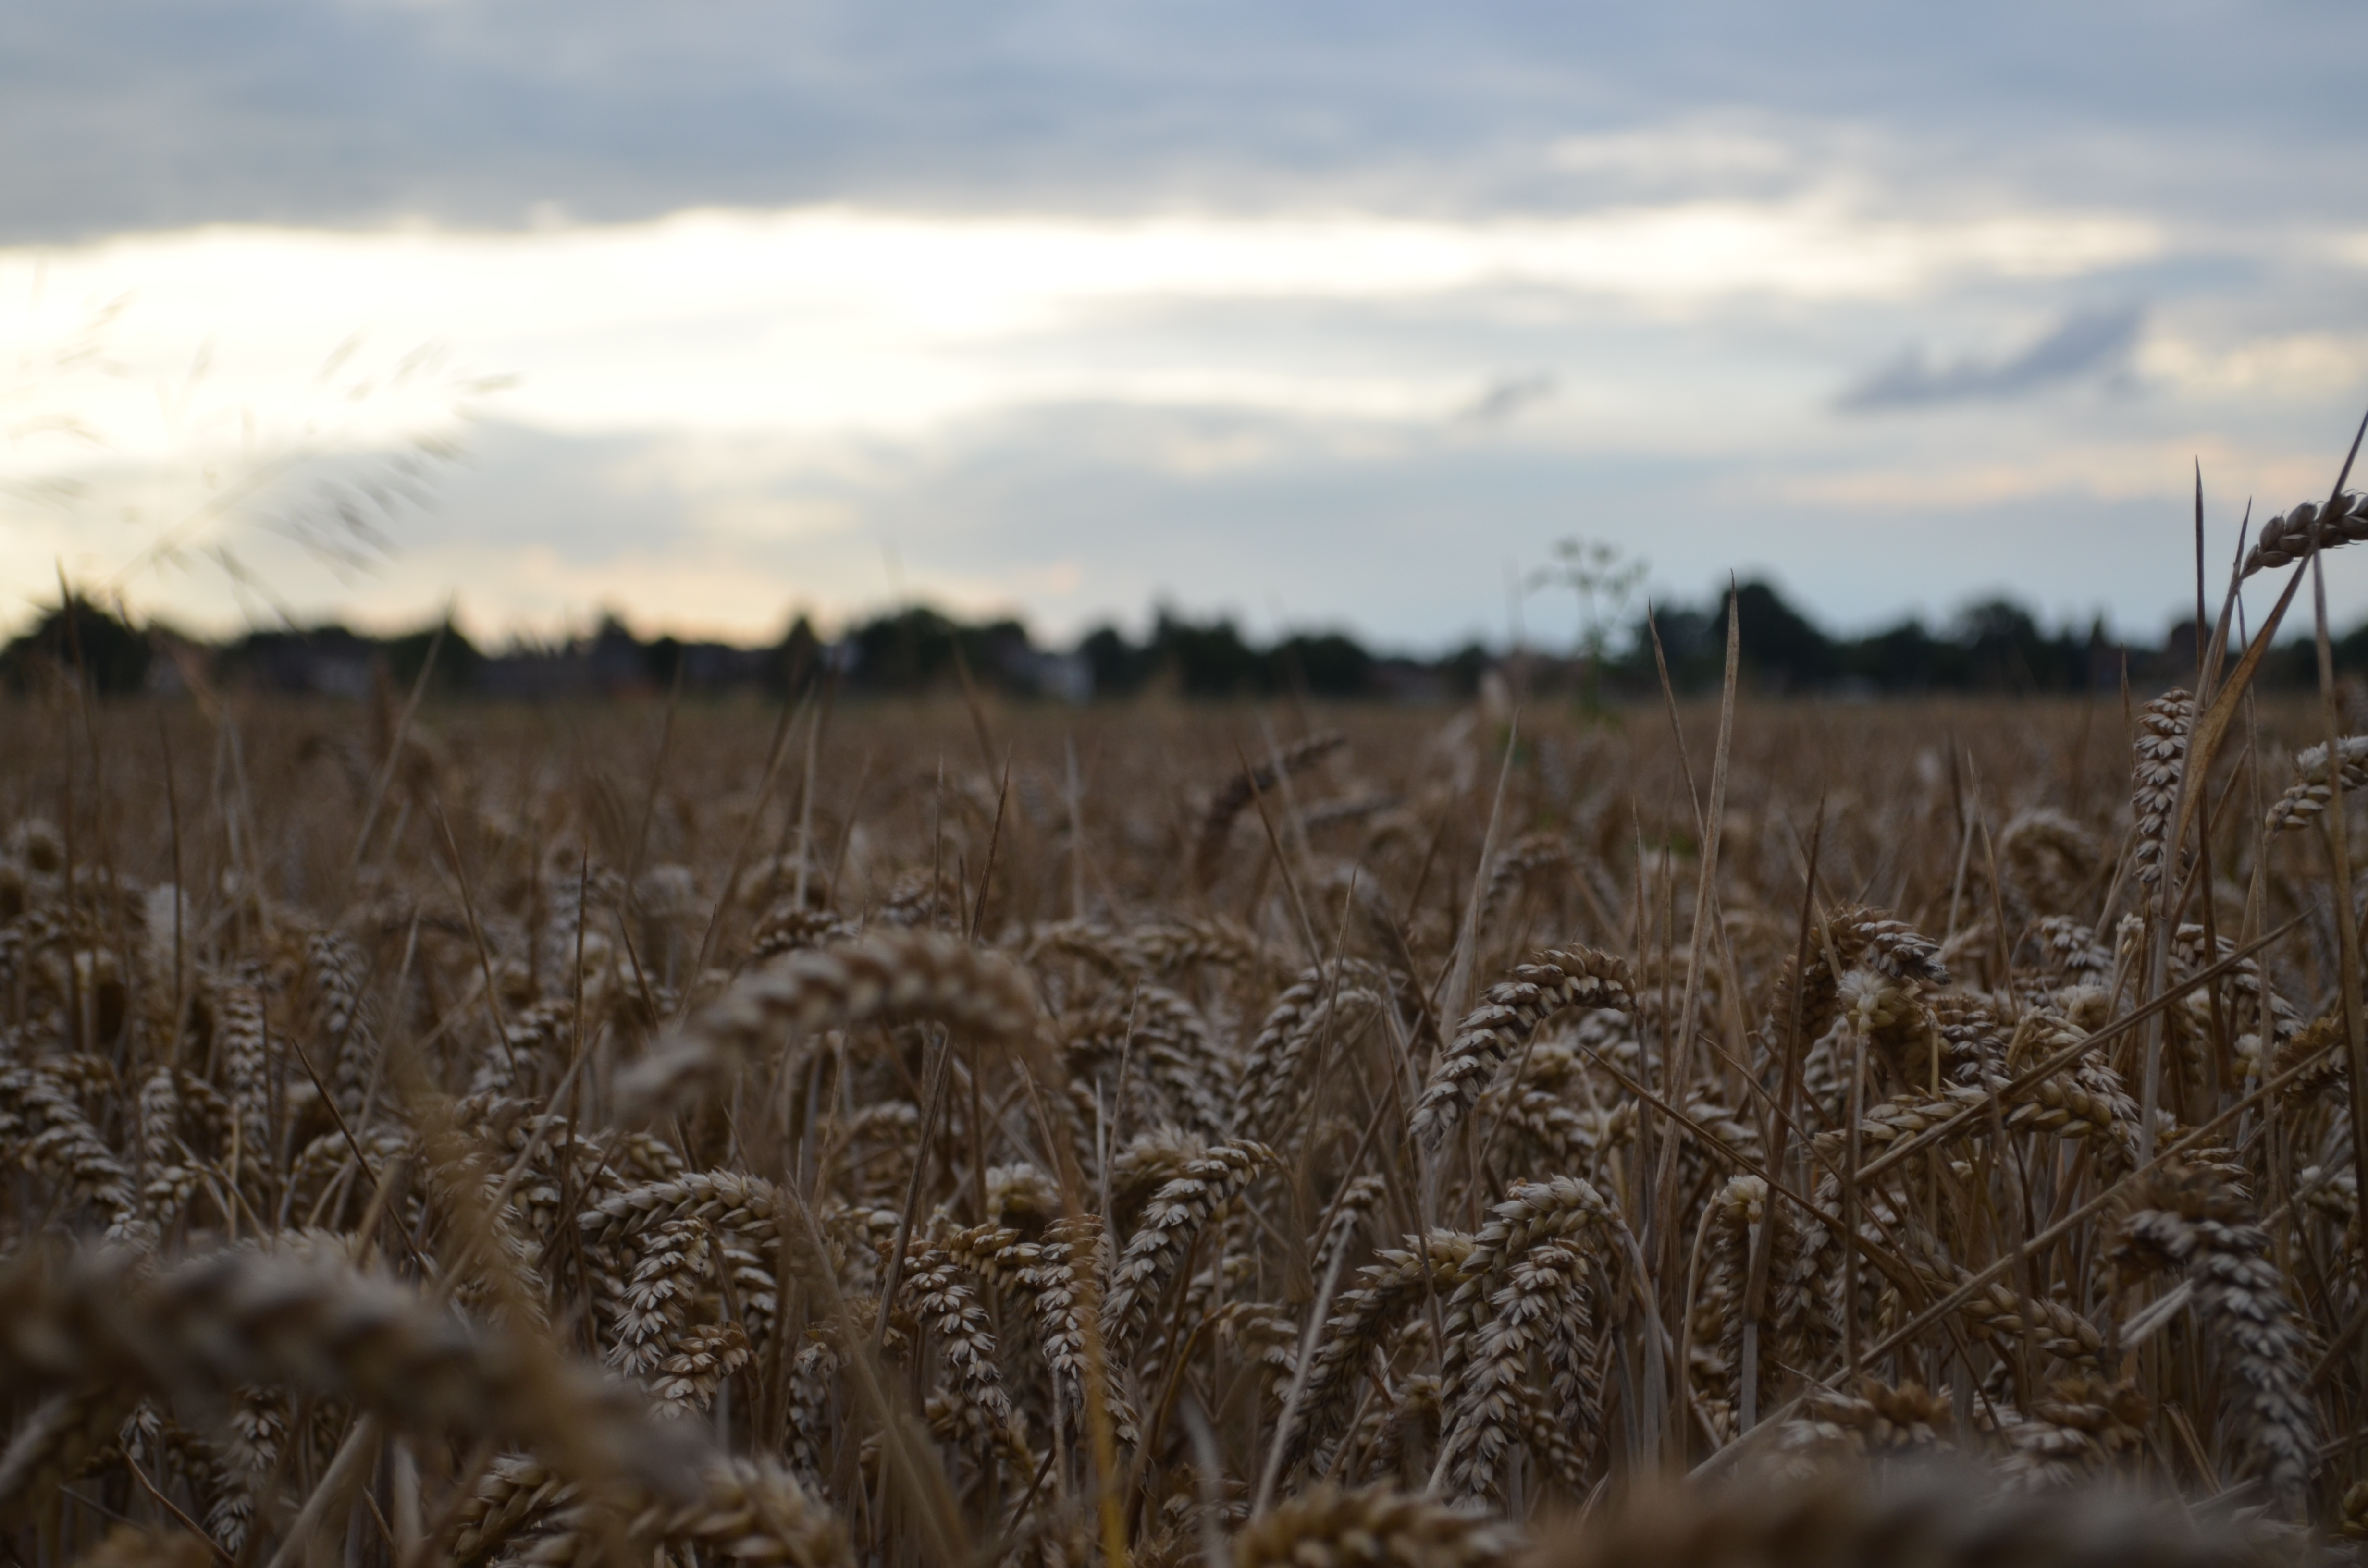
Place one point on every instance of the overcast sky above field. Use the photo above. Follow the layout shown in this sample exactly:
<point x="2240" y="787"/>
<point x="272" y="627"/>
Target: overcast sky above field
<point x="1328" y="314"/>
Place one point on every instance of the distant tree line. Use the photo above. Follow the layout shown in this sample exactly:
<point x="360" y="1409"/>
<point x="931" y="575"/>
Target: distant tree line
<point x="1992" y="646"/>
<point x="1995" y="646"/>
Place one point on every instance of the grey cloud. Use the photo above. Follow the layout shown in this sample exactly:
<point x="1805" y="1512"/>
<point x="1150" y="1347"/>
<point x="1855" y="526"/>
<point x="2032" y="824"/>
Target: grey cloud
<point x="1508" y="398"/>
<point x="2086" y="346"/>
<point x="1280" y="521"/>
<point x="142" y="113"/>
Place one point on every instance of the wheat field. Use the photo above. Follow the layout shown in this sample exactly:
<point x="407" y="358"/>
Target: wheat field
<point x="972" y="1134"/>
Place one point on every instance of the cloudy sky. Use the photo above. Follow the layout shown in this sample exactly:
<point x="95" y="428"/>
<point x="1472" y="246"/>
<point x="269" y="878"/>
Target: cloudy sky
<point x="1322" y="314"/>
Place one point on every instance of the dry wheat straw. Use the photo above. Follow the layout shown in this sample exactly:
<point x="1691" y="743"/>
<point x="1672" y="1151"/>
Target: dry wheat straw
<point x="1024" y="1182"/>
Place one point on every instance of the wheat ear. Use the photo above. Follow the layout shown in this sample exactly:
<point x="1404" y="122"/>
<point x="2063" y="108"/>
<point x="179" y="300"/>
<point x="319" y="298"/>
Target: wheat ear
<point x="1377" y="1527"/>
<point x="2290" y="536"/>
<point x="2193" y="1219"/>
<point x="888" y="977"/>
<point x="2308" y="796"/>
<point x="1235" y="796"/>
<point x="1508" y="1013"/>
<point x="315" y="1326"/>
<point x="1386" y="1290"/>
<point x="1169" y="1221"/>
<point x="2159" y="761"/>
<point x="1929" y="1519"/>
<point x="1319" y="998"/>
<point x="1522" y="1291"/>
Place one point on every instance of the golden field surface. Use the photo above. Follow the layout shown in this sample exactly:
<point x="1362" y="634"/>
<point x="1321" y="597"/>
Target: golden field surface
<point x="952" y="1135"/>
